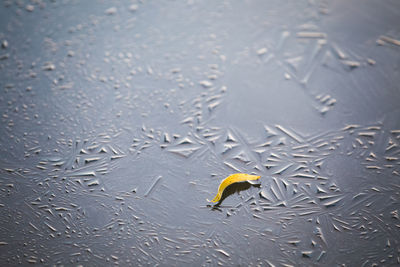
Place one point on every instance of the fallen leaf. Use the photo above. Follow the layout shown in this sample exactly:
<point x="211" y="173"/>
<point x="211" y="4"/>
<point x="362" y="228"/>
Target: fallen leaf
<point x="234" y="178"/>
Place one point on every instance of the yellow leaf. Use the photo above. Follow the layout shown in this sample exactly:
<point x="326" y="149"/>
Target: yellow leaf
<point x="234" y="178"/>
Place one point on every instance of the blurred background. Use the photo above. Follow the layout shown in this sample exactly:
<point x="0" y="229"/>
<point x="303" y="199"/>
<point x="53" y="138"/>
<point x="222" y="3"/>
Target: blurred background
<point x="120" y="118"/>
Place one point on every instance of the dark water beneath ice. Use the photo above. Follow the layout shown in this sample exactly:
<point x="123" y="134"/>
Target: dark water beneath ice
<point x="119" y="119"/>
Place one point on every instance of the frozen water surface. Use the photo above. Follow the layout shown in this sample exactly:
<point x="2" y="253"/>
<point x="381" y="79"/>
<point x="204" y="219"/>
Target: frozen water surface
<point x="120" y="118"/>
